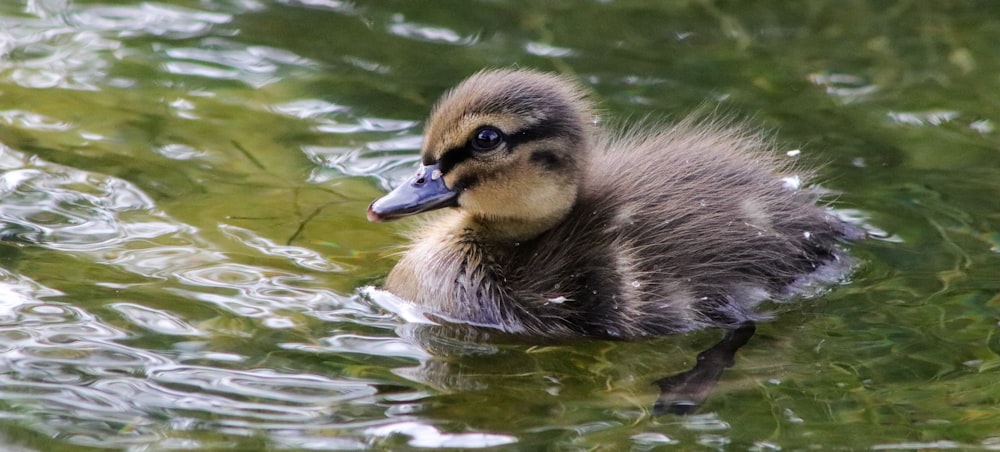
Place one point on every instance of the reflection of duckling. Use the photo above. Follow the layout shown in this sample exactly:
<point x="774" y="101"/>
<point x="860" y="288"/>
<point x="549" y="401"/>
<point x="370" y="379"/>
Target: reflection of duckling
<point x="560" y="229"/>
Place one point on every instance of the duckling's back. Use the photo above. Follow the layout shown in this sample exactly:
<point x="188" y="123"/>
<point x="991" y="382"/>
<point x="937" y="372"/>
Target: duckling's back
<point x="692" y="226"/>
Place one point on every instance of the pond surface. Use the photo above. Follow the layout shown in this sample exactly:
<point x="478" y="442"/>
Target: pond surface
<point x="183" y="187"/>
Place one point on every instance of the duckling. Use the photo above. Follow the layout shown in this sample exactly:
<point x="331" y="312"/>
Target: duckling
<point x="554" y="226"/>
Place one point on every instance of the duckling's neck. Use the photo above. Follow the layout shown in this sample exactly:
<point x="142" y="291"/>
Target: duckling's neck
<point x="507" y="230"/>
<point x="524" y="219"/>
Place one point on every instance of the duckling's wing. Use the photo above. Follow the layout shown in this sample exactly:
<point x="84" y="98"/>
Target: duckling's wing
<point x="688" y="227"/>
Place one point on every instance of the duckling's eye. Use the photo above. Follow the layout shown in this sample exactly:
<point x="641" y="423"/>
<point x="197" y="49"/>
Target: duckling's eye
<point x="486" y="138"/>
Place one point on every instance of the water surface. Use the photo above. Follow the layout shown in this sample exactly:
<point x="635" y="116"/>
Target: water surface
<point x="183" y="186"/>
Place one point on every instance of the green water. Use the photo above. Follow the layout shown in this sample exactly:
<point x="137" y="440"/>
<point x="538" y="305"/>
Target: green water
<point x="183" y="188"/>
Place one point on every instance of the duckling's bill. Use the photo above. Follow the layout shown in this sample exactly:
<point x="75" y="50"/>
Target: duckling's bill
<point x="424" y="191"/>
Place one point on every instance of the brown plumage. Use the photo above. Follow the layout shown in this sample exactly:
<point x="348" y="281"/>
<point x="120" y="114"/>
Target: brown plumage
<point x="557" y="227"/>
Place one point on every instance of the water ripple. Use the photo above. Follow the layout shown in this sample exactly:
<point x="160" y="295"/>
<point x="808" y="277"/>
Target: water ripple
<point x="335" y="162"/>
<point x="420" y="32"/>
<point x="33" y="121"/>
<point x="386" y="152"/>
<point x="387" y="159"/>
<point x="44" y="53"/>
<point x="17" y="291"/>
<point x="847" y="88"/>
<point x="147" y="18"/>
<point x="333" y="5"/>
<point x="308" y="108"/>
<point x="392" y="347"/>
<point x="113" y="222"/>
<point x="266" y="287"/>
<point x="424" y="435"/>
<point x="257" y="66"/>
<point x="923" y="118"/>
<point x="68" y="209"/>
<point x="123" y="409"/>
<point x="705" y="422"/>
<point x="333" y="125"/>
<point x="265" y="384"/>
<point x="162" y="261"/>
<point x="300" y="256"/>
<point x="546" y="50"/>
<point x="68" y="377"/>
<point x="156" y="320"/>
<point x="58" y="359"/>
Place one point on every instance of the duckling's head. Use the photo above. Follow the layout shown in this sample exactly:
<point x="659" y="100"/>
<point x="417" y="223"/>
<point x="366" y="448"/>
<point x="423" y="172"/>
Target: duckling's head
<point x="506" y="147"/>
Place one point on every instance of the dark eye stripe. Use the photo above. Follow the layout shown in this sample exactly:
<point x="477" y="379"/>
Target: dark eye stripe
<point x="453" y="157"/>
<point x="541" y="131"/>
<point x="466" y="182"/>
<point x="547" y="159"/>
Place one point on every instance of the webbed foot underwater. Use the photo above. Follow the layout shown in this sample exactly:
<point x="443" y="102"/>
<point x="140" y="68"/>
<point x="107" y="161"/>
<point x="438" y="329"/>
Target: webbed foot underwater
<point x="551" y="225"/>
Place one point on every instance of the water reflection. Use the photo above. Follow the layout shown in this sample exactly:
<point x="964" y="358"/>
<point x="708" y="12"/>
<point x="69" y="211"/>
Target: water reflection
<point x="33" y="121"/>
<point x="685" y="392"/>
<point x="146" y="18"/>
<point x="182" y="186"/>
<point x="156" y="320"/>
<point x="424" y="435"/>
<point x="45" y="54"/>
<point x="223" y="60"/>
<point x="420" y="32"/>
<point x="66" y="208"/>
<point x="333" y="5"/>
<point x="846" y="88"/>
<point x="77" y="370"/>
<point x="682" y="393"/>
